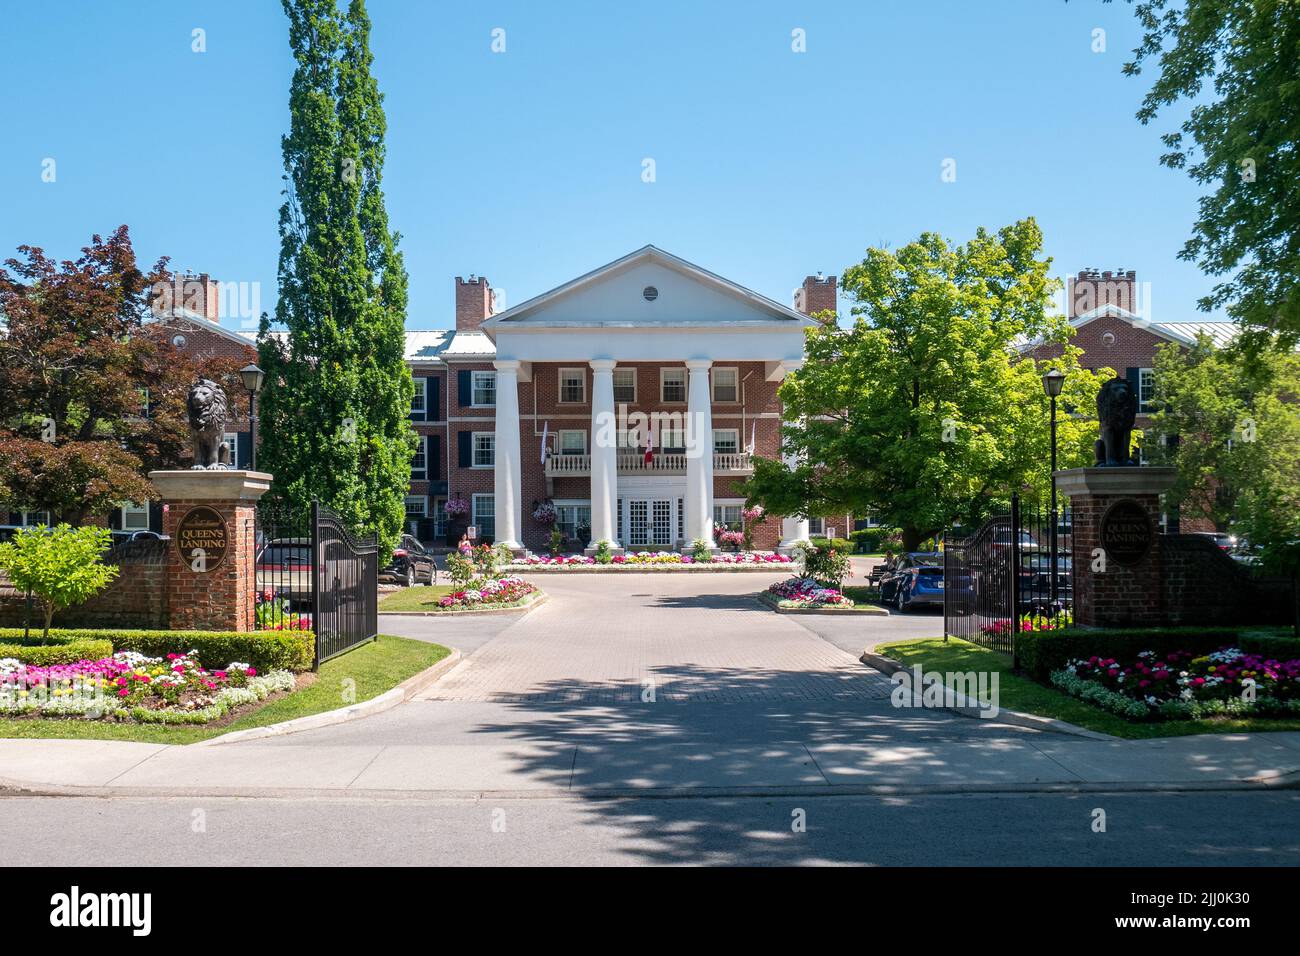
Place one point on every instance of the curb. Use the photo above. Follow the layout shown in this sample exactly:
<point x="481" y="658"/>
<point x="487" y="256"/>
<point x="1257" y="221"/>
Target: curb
<point x="1287" y="781"/>
<point x="368" y="708"/>
<point x="968" y="708"/>
<point x="861" y="610"/>
<point x="540" y="597"/>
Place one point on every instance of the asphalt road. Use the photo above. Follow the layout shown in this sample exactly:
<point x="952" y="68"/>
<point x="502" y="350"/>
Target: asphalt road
<point x="1186" y="829"/>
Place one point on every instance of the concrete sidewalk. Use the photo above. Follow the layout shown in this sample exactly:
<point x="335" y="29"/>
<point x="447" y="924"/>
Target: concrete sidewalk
<point x="650" y="766"/>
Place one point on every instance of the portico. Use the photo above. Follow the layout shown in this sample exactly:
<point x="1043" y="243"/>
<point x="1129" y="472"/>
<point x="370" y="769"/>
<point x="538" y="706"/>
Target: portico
<point x="652" y="442"/>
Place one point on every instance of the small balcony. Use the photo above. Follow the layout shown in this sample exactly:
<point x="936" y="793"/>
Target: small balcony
<point x="634" y="463"/>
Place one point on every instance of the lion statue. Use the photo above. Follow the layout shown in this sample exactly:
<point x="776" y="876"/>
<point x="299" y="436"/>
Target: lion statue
<point x="1116" y="411"/>
<point x="206" y="408"/>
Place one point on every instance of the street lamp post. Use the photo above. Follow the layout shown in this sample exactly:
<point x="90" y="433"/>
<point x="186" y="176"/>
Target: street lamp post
<point x="1052" y="383"/>
<point x="252" y="377"/>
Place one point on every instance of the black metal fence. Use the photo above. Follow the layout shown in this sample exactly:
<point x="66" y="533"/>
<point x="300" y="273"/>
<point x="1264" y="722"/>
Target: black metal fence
<point x="1003" y="577"/>
<point x="313" y="574"/>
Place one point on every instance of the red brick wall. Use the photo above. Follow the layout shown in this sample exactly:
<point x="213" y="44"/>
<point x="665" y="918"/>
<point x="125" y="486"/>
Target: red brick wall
<point x="220" y="599"/>
<point x="136" y="598"/>
<point x="816" y="295"/>
<point x="473" y="302"/>
<point x="1118" y="596"/>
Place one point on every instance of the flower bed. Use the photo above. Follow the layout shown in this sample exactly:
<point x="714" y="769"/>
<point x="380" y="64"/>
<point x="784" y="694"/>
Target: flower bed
<point x="131" y="686"/>
<point x="1179" y="685"/>
<point x="807" y="593"/>
<point x="1029" y="623"/>
<point x="642" y="558"/>
<point x="502" y="592"/>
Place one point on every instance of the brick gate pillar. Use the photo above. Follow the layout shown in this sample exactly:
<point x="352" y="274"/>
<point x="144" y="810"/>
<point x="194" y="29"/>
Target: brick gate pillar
<point x="210" y="517"/>
<point x="1116" y="562"/>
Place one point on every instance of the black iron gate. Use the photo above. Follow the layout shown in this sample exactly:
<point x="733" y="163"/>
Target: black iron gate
<point x="346" y="585"/>
<point x="1003" y="577"/>
<point x="312" y="573"/>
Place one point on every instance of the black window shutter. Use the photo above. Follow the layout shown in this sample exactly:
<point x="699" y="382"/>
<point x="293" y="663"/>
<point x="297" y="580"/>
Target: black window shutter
<point x="243" y="449"/>
<point x="156" y="516"/>
<point x="463" y="453"/>
<point x="433" y="399"/>
<point x="115" y="519"/>
<point x="1133" y="376"/>
<point x="433" y="460"/>
<point x="464" y="388"/>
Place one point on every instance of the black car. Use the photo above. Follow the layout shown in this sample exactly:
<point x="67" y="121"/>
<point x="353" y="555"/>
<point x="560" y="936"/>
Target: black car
<point x="410" y="564"/>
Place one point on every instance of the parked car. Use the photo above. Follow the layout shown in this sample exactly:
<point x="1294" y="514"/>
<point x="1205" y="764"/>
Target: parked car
<point x="410" y="563"/>
<point x="1224" y="540"/>
<point x="916" y="579"/>
<point x="1036" y="582"/>
<point x="283" y="566"/>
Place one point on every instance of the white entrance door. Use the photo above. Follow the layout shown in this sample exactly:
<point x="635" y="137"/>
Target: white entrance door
<point x="650" y="522"/>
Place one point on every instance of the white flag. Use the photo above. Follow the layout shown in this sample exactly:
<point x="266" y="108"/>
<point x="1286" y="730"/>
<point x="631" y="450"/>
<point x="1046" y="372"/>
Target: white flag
<point x="545" y="429"/>
<point x="753" y="434"/>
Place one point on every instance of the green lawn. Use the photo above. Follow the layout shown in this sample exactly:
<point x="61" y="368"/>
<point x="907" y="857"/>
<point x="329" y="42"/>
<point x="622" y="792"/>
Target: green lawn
<point x="418" y="598"/>
<point x="374" y="668"/>
<point x="1027" y="696"/>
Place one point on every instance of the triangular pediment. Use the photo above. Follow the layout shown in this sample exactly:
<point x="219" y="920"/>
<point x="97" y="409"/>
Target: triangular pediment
<point x="648" y="288"/>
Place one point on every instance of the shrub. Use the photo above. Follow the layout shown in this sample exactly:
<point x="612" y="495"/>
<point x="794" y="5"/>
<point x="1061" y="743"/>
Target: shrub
<point x="60" y="566"/>
<point x="825" y="564"/>
<point x="875" y="540"/>
<point x="604" y="553"/>
<point x="1042" y="652"/>
<point x="63" y="652"/>
<point x="700" y="551"/>
<point x="265" y="650"/>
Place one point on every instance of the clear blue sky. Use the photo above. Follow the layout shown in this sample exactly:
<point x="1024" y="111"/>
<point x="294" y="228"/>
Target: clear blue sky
<point x="525" y="166"/>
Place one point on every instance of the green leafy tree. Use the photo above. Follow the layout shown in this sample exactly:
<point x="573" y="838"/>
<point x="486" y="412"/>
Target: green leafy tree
<point x="924" y="411"/>
<point x="59" y="566"/>
<point x="1232" y="63"/>
<point x="1208" y="397"/>
<point x="335" y="408"/>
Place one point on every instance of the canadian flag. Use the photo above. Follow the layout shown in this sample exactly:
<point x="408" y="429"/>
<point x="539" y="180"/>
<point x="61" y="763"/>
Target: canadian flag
<point x="649" y="447"/>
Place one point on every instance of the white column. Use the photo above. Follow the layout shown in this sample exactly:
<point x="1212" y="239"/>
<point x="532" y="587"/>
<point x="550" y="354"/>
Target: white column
<point x="509" y="476"/>
<point x="699" y="453"/>
<point x="793" y="530"/>
<point x="604" y="454"/>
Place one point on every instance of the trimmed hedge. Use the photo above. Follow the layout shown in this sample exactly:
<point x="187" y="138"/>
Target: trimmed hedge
<point x="63" y="652"/>
<point x="1042" y="652"/>
<point x="265" y="650"/>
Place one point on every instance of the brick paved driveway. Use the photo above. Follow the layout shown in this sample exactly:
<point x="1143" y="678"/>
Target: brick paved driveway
<point x="682" y="637"/>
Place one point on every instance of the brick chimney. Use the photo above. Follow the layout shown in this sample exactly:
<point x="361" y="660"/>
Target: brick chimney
<point x="1091" y="289"/>
<point x="815" y="295"/>
<point x="200" y="294"/>
<point x="473" y="302"/>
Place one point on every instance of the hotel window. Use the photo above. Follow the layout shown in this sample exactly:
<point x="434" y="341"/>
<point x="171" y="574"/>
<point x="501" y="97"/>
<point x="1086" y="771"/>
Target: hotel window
<point x="671" y="440"/>
<point x="625" y="385"/>
<point x="418" y="399"/>
<point x="726" y="385"/>
<point x="816" y="527"/>
<point x="573" y="386"/>
<point x="1146" y="388"/>
<point x="419" y="461"/>
<point x="727" y="516"/>
<point x="29" y="519"/>
<point x="483" y="511"/>
<point x="484" y="394"/>
<point x="726" y="441"/>
<point x="573" y="443"/>
<point x="135" y="517"/>
<point x="417" y="506"/>
<point x="485" y="450"/>
<point x="672" y="386"/>
<point x="231" y="441"/>
<point x="572" y="515"/>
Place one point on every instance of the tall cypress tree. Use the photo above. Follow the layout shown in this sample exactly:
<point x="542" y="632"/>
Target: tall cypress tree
<point x="335" y="409"/>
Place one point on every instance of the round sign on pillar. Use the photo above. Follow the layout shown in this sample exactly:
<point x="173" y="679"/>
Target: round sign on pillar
<point x="1126" y="532"/>
<point x="201" y="539"/>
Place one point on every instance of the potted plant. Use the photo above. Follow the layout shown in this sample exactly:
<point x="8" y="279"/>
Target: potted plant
<point x="457" y="510"/>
